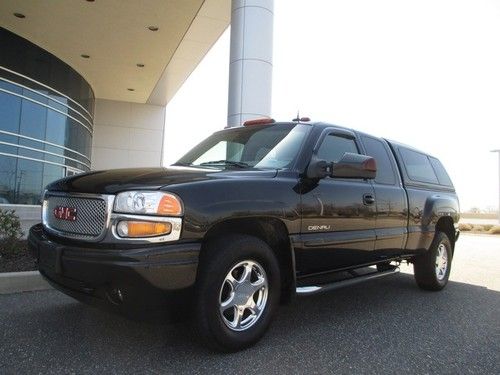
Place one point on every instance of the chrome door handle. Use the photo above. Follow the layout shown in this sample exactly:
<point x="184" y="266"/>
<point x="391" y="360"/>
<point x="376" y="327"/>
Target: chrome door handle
<point x="368" y="199"/>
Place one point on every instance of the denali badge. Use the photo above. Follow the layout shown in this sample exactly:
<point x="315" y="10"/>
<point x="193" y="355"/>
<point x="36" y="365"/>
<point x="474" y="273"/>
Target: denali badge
<point x="318" y="227"/>
<point x="65" y="213"/>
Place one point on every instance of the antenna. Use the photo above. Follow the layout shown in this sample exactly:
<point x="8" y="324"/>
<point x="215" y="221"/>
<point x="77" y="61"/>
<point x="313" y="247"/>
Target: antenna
<point x="298" y="116"/>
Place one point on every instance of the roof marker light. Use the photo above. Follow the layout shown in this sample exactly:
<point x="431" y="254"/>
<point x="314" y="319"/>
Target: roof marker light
<point x="301" y="119"/>
<point x="259" y="121"/>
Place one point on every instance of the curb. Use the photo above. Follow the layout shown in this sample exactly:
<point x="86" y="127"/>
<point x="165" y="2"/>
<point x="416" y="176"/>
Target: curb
<point x="462" y="233"/>
<point x="15" y="282"/>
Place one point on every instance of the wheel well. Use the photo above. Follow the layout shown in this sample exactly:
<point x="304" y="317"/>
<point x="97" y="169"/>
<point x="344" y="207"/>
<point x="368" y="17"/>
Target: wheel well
<point x="270" y="230"/>
<point x="445" y="225"/>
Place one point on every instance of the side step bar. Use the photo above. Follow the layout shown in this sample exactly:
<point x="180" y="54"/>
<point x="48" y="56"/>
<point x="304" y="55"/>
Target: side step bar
<point x="316" y="289"/>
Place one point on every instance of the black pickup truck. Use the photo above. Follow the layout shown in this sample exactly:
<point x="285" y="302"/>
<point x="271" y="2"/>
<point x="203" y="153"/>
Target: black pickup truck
<point x="249" y="218"/>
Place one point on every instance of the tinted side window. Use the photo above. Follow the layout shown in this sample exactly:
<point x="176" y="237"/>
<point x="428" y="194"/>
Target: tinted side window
<point x="334" y="147"/>
<point x="441" y="173"/>
<point x="385" y="171"/>
<point x="418" y="166"/>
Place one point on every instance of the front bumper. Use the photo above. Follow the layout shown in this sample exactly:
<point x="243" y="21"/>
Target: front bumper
<point x="122" y="279"/>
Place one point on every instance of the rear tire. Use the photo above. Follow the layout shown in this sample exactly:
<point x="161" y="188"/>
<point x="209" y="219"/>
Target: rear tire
<point x="237" y="292"/>
<point x="386" y="266"/>
<point x="432" y="269"/>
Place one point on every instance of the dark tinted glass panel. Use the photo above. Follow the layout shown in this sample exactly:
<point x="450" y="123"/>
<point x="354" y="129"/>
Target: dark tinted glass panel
<point x="33" y="119"/>
<point x="10" y="87"/>
<point x="56" y="128"/>
<point x="10" y="112"/>
<point x="334" y="147"/>
<point x="7" y="179"/>
<point x="51" y="173"/>
<point x="35" y="96"/>
<point x="377" y="150"/>
<point x="29" y="182"/>
<point x="418" y="166"/>
<point x="441" y="173"/>
<point x="8" y="149"/>
<point x="30" y="143"/>
<point x="7" y="138"/>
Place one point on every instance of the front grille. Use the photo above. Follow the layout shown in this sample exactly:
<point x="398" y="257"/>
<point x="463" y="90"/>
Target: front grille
<point x="91" y="215"/>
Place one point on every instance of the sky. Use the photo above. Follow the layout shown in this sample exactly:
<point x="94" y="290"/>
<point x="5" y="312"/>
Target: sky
<point x="422" y="72"/>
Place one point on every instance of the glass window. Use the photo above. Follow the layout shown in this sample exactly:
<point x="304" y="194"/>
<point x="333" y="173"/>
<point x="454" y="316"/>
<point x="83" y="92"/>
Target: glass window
<point x="385" y="171"/>
<point x="418" y="166"/>
<point x="10" y="112"/>
<point x="32" y="144"/>
<point x="22" y="180"/>
<point x="334" y="147"/>
<point x="222" y="151"/>
<point x="35" y="96"/>
<point x="7" y="179"/>
<point x="285" y="151"/>
<point x="51" y="173"/>
<point x="88" y="146"/>
<point x="28" y="188"/>
<point x="33" y="120"/>
<point x="441" y="173"/>
<point x="10" y="87"/>
<point x="56" y="127"/>
<point x="268" y="146"/>
<point x="7" y="138"/>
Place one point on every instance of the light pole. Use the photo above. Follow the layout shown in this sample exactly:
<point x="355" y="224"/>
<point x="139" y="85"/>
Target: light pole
<point x="498" y="151"/>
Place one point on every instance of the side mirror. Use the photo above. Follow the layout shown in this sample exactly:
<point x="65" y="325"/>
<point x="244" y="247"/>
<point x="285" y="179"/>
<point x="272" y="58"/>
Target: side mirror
<point x="354" y="166"/>
<point x="318" y="168"/>
<point x="349" y="166"/>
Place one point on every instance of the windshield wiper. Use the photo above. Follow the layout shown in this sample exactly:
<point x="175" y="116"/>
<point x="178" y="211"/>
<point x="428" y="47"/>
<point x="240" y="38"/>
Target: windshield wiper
<point x="238" y="164"/>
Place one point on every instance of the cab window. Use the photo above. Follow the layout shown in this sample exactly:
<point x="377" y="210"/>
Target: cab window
<point x="418" y="166"/>
<point x="385" y="170"/>
<point x="441" y="173"/>
<point x="334" y="147"/>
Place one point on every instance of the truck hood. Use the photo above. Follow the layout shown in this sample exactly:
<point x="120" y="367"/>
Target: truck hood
<point x="116" y="180"/>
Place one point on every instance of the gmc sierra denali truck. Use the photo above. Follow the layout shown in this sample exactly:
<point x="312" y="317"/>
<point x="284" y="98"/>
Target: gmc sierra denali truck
<point x="249" y="218"/>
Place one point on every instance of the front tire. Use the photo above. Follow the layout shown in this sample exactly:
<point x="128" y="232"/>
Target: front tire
<point x="238" y="291"/>
<point x="432" y="269"/>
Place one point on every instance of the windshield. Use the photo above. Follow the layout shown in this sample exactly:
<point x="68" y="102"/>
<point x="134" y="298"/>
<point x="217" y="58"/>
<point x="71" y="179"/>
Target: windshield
<point x="267" y="146"/>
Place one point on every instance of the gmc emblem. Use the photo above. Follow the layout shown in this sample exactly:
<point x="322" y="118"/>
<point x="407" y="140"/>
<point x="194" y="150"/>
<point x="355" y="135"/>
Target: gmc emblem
<point x="65" y="213"/>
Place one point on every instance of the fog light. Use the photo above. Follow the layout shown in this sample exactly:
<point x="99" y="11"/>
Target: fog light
<point x="134" y="229"/>
<point x="122" y="229"/>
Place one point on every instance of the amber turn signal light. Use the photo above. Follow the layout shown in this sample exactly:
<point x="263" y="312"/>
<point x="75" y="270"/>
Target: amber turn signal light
<point x="169" y="206"/>
<point x="135" y="229"/>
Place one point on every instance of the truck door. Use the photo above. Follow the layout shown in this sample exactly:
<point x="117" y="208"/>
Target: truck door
<point x="390" y="198"/>
<point x="338" y="215"/>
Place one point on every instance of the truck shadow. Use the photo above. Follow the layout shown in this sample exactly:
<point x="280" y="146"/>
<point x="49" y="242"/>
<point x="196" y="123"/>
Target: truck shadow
<point x="375" y="323"/>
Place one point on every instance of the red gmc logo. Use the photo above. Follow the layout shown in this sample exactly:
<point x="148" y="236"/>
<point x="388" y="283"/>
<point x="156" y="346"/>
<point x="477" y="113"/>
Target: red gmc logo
<point x="65" y="213"/>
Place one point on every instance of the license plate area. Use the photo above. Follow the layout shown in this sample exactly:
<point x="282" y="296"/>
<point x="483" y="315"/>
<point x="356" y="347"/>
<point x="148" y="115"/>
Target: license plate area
<point x="50" y="259"/>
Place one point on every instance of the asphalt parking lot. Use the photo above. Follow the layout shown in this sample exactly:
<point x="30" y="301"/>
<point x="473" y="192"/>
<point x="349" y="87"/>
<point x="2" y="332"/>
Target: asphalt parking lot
<point x="384" y="326"/>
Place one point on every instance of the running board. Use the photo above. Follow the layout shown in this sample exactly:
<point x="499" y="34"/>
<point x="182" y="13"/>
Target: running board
<point x="315" y="289"/>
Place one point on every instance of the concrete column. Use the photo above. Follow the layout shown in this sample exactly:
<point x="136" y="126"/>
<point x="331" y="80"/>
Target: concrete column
<point x="251" y="60"/>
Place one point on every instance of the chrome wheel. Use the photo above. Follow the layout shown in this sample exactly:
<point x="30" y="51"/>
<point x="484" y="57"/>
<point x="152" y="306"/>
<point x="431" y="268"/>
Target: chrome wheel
<point x="243" y="295"/>
<point x="441" y="262"/>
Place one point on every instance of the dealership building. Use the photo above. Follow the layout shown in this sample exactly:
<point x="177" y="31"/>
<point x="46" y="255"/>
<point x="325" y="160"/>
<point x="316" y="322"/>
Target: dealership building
<point x="84" y="84"/>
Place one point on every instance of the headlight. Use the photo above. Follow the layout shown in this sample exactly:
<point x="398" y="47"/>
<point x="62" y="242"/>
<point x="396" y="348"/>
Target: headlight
<point x="148" y="203"/>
